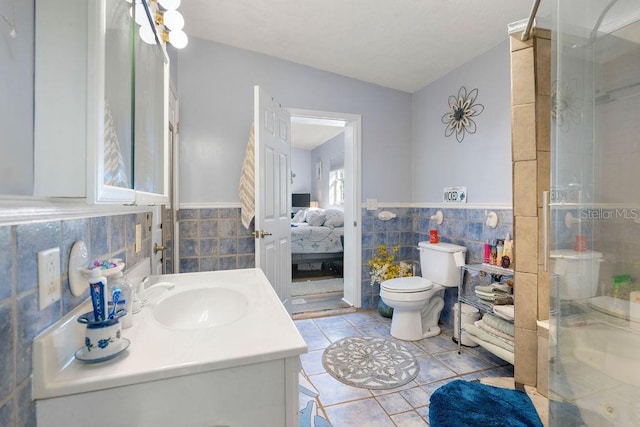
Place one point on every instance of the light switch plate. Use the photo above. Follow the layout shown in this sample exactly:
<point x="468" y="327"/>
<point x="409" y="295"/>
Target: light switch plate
<point x="138" y="237"/>
<point x="49" y="287"/>
<point x="372" y="204"/>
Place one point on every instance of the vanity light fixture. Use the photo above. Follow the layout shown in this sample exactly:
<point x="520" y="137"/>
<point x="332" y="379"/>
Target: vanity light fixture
<point x="178" y="39"/>
<point x="168" y="22"/>
<point x="169" y="4"/>
<point x="171" y="19"/>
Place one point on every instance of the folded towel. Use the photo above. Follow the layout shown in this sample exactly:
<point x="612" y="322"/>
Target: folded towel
<point x="495" y="298"/>
<point x="475" y="331"/>
<point x="505" y="312"/>
<point x="494" y="287"/>
<point x="247" y="183"/>
<point x="482" y="325"/>
<point x="499" y="324"/>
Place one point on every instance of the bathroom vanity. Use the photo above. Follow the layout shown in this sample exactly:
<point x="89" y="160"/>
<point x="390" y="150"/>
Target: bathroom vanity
<point x="216" y="349"/>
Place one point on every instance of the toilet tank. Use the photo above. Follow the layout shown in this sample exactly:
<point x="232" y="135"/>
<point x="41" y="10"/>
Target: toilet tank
<point x="577" y="272"/>
<point x="438" y="264"/>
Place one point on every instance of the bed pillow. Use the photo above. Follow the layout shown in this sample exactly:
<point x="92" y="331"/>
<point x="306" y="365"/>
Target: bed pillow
<point x="315" y="217"/>
<point x="299" y="216"/>
<point x="333" y="218"/>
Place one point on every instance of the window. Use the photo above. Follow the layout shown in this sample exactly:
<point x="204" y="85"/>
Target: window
<point x="336" y="187"/>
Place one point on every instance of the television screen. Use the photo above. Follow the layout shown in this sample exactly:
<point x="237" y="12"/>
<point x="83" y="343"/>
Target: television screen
<point x="300" y="200"/>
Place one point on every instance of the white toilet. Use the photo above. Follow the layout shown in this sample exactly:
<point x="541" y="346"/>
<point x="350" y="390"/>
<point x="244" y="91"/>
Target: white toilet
<point x="418" y="301"/>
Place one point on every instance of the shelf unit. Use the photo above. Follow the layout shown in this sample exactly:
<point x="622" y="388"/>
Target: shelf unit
<point x="468" y="296"/>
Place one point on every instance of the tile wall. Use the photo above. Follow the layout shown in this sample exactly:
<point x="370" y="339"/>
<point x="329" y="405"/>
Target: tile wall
<point x="214" y="239"/>
<point x="21" y="320"/>
<point x="531" y="152"/>
<point x="465" y="227"/>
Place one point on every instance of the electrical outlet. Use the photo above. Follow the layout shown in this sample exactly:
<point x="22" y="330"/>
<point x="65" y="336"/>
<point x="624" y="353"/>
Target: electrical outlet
<point x="372" y="204"/>
<point x="49" y="277"/>
<point x="138" y="237"/>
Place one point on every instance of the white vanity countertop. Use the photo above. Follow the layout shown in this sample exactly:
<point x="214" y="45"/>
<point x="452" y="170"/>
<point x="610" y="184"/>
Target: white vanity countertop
<point x="265" y="333"/>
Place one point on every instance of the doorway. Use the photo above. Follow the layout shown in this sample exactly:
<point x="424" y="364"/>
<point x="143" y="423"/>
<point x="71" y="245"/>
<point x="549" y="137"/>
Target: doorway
<point x="332" y="281"/>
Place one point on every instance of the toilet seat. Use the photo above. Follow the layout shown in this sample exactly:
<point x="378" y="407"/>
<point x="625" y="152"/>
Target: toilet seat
<point x="407" y="284"/>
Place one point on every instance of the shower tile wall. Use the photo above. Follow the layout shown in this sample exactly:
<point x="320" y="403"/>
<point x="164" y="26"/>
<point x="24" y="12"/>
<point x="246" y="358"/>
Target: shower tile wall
<point x="20" y="318"/>
<point x="531" y="106"/>
<point x="465" y="227"/>
<point x="214" y="239"/>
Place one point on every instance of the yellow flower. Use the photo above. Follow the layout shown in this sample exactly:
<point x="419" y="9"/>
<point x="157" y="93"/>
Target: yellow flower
<point x="384" y="267"/>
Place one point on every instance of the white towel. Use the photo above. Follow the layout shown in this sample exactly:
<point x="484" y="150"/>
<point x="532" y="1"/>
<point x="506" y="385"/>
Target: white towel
<point x="247" y="183"/>
<point x="505" y="311"/>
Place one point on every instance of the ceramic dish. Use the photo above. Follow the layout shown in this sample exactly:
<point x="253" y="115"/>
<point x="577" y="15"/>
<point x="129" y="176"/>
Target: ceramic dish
<point x="80" y="353"/>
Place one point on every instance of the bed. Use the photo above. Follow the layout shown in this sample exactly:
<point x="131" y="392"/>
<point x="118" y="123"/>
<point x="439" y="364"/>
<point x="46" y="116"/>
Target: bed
<point x="317" y="236"/>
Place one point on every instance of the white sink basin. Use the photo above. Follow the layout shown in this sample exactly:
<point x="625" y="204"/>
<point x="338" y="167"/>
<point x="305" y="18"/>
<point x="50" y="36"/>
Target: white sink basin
<point x="201" y="308"/>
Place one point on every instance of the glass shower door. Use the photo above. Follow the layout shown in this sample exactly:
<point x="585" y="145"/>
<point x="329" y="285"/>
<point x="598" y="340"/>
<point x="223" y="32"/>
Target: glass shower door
<point x="594" y="253"/>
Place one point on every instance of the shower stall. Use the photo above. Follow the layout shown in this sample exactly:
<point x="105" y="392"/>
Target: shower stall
<point x="592" y="231"/>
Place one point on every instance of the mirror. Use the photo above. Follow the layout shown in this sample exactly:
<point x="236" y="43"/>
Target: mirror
<point x="138" y="165"/>
<point x="118" y="140"/>
<point x="150" y="122"/>
<point x="16" y="102"/>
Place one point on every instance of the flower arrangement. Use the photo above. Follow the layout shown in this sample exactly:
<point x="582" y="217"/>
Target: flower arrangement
<point x="384" y="266"/>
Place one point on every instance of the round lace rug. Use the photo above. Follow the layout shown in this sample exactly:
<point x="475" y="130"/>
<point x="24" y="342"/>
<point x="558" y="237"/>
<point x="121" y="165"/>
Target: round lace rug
<point x="370" y="362"/>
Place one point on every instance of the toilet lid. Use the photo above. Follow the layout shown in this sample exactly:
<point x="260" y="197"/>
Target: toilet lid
<point x="407" y="284"/>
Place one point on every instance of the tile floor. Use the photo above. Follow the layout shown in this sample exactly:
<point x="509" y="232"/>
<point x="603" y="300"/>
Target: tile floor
<point x="346" y="406"/>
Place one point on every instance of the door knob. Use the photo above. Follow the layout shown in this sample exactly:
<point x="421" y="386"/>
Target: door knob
<point x="158" y="248"/>
<point x="260" y="234"/>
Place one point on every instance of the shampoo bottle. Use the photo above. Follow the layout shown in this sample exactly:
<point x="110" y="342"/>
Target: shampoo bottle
<point x="487" y="253"/>
<point x="508" y="249"/>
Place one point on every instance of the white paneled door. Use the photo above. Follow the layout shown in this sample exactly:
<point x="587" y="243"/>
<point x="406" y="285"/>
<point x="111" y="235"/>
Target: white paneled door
<point x="272" y="186"/>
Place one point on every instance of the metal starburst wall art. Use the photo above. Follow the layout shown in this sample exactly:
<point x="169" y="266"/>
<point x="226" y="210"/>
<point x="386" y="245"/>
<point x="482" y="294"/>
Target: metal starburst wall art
<point x="461" y="110"/>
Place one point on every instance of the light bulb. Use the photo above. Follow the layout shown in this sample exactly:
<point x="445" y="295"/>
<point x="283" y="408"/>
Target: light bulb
<point x="169" y="4"/>
<point x="178" y="39"/>
<point x="173" y="20"/>
<point x="146" y="34"/>
<point x="140" y="15"/>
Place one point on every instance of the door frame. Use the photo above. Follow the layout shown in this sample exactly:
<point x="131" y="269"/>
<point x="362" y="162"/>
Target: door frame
<point x="353" y="202"/>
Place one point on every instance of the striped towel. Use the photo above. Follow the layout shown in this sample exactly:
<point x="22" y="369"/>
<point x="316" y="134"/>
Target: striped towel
<point x="246" y="190"/>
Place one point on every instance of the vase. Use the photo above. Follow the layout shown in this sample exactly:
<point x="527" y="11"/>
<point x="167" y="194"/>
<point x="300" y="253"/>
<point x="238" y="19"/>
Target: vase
<point x="384" y="309"/>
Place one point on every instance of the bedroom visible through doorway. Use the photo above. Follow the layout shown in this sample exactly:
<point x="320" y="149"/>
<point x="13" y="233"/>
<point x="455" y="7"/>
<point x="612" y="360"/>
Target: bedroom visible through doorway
<point x="318" y="181"/>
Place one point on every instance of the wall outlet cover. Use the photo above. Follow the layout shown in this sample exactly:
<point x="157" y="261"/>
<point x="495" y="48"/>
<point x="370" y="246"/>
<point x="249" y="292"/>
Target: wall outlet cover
<point x="49" y="287"/>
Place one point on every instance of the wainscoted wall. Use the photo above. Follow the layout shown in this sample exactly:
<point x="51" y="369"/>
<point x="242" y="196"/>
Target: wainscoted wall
<point x="214" y="239"/>
<point x="465" y="227"/>
<point x="111" y="236"/>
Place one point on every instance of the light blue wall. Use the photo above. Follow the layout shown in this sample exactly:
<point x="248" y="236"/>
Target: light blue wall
<point x="301" y="166"/>
<point x="482" y="161"/>
<point x="216" y="110"/>
<point x="330" y="151"/>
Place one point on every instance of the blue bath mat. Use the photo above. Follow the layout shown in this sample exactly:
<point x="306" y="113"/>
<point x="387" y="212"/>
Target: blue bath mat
<point x="469" y="403"/>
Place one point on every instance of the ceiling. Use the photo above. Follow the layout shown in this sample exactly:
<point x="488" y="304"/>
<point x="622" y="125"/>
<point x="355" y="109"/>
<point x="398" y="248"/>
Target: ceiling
<point x="309" y="136"/>
<point x="399" y="44"/>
